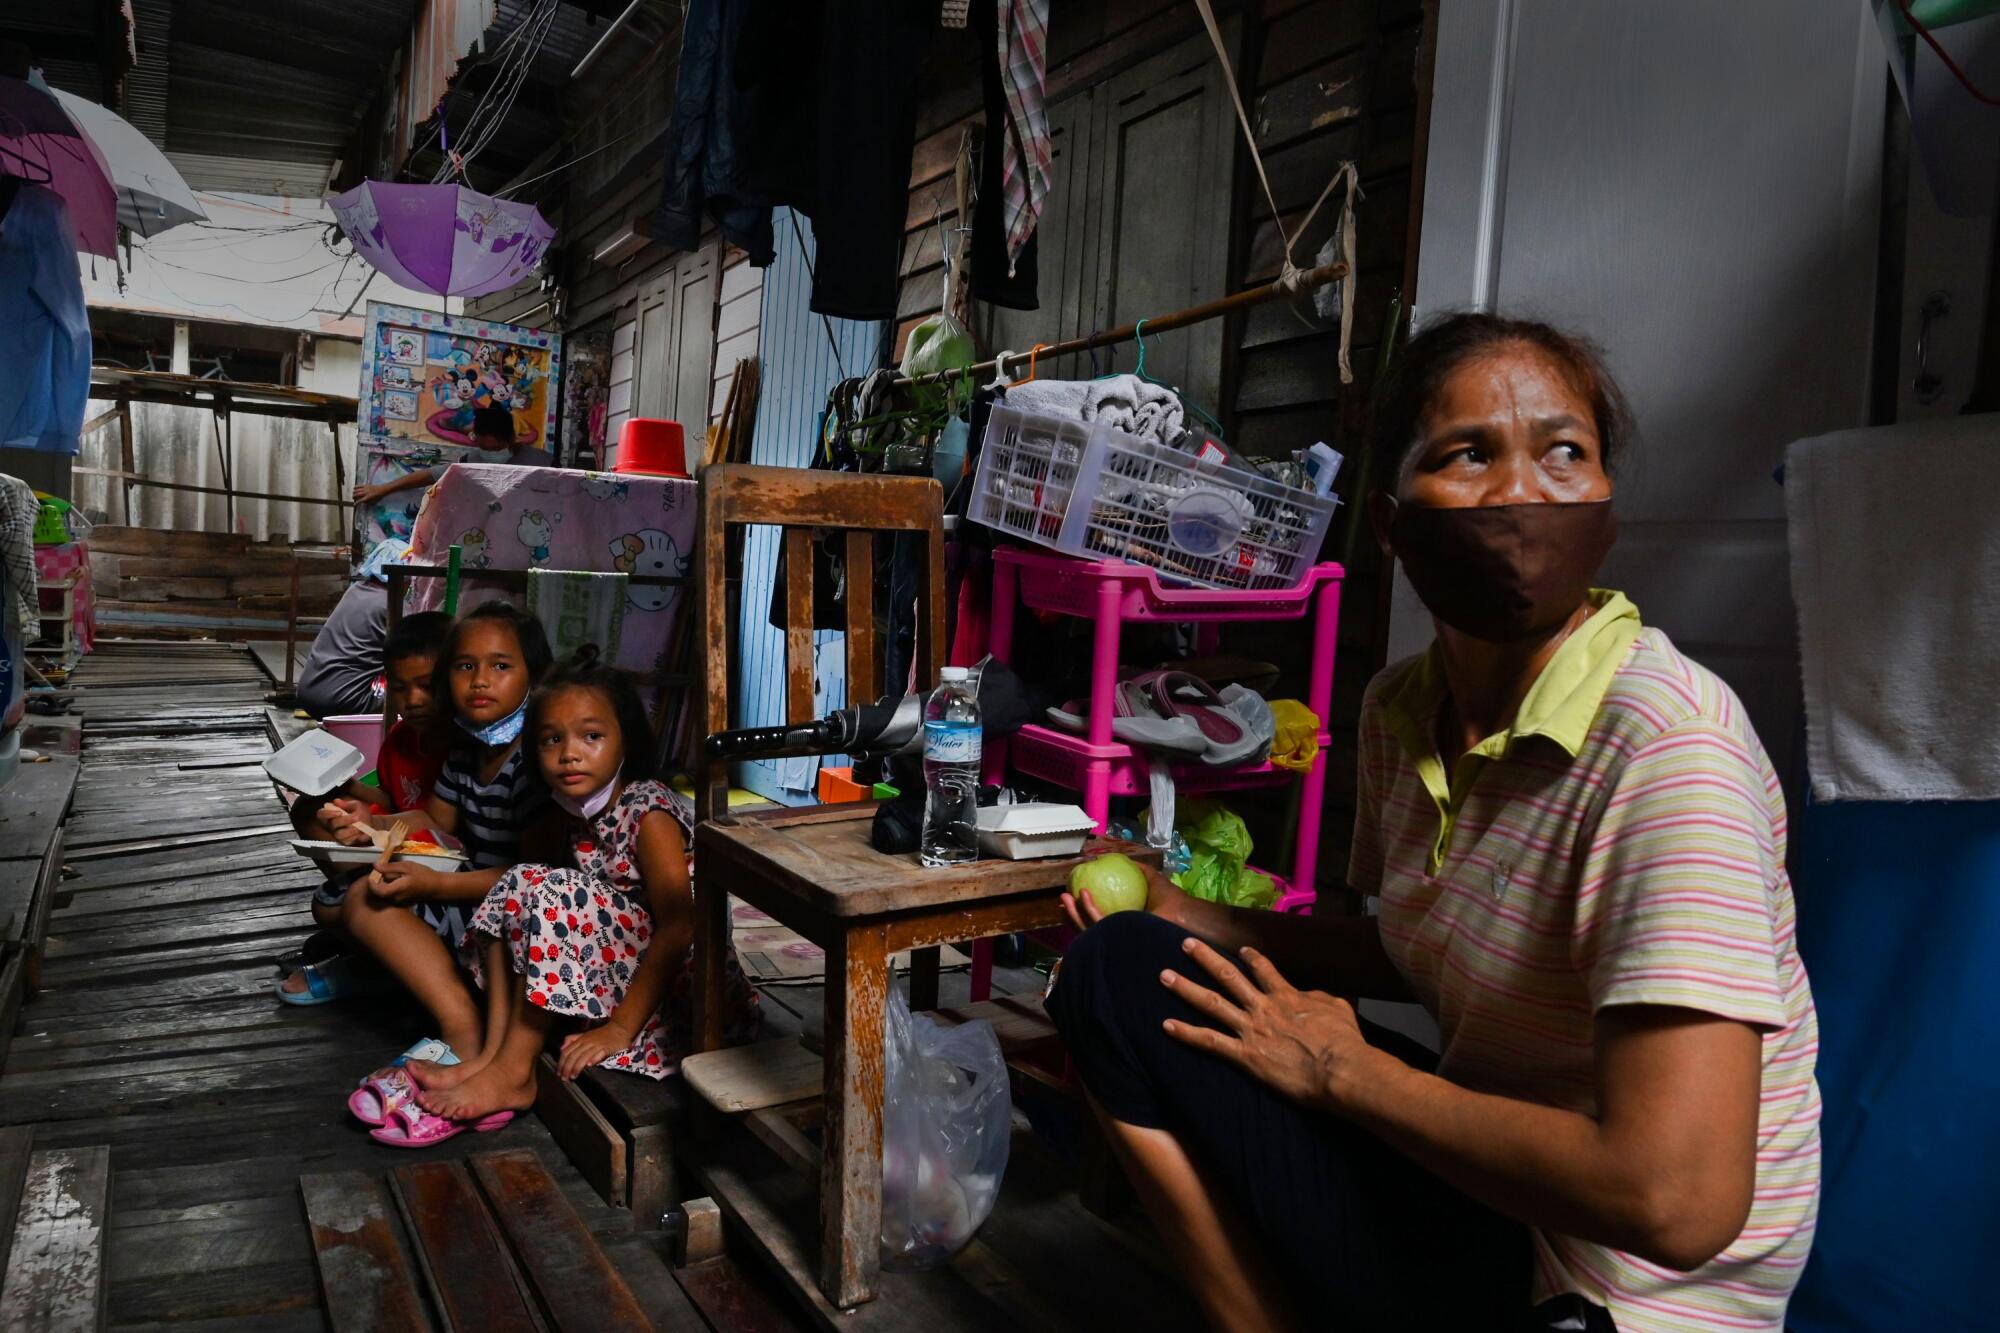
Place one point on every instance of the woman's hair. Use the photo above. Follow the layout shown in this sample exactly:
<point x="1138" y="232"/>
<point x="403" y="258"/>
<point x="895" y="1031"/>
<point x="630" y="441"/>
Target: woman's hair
<point x="1428" y="360"/>
<point x="635" y="730"/>
<point x="528" y="632"/>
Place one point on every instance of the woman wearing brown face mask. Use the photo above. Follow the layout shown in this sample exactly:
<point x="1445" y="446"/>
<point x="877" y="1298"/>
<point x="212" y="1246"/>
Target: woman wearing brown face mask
<point x="1577" y="846"/>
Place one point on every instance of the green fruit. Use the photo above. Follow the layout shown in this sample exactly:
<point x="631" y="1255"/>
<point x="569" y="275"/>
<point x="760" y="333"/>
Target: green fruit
<point x="1114" y="881"/>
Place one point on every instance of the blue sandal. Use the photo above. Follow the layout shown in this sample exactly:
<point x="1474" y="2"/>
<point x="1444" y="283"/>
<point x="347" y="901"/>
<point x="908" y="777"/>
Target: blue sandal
<point x="327" y="980"/>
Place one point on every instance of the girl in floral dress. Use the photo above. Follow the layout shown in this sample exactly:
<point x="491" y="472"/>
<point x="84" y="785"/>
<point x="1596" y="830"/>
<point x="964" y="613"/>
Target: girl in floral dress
<point x="607" y="941"/>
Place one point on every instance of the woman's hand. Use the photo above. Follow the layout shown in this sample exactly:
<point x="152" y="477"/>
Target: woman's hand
<point x="581" y="1050"/>
<point x="403" y="882"/>
<point x="1307" y="1045"/>
<point x="1163" y="899"/>
<point x="368" y="493"/>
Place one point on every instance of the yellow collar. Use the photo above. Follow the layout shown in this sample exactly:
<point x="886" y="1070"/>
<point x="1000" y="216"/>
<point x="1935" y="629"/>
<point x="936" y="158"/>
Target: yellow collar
<point x="1560" y="705"/>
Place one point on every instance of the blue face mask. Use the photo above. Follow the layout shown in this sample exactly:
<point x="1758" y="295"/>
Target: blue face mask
<point x="502" y="731"/>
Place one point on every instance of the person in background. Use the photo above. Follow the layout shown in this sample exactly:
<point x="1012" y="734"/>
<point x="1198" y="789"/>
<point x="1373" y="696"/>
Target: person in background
<point x="492" y="437"/>
<point x="342" y="674"/>
<point x="406" y="769"/>
<point x="1578" y="847"/>
<point x="339" y="675"/>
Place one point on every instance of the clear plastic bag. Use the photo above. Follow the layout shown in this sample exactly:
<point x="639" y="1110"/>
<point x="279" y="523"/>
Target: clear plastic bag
<point x="947" y="1116"/>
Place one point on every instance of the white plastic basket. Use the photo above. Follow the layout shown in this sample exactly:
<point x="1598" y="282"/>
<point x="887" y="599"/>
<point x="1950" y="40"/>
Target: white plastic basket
<point x="1096" y="492"/>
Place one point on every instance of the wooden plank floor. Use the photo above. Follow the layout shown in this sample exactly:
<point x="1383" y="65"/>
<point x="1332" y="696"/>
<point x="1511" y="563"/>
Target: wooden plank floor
<point x="270" y="655"/>
<point x="156" y="1033"/>
<point x="156" y="1036"/>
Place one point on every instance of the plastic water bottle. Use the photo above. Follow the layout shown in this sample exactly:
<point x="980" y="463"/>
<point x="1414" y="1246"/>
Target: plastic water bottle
<point x="951" y="772"/>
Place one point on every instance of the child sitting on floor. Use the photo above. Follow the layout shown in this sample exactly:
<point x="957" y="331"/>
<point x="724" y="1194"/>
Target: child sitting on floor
<point x="410" y="917"/>
<point x="407" y="768"/>
<point x="608" y="939"/>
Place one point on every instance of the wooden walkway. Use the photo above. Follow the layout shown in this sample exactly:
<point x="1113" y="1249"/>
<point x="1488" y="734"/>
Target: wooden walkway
<point x="156" y="1034"/>
<point x="155" y="1053"/>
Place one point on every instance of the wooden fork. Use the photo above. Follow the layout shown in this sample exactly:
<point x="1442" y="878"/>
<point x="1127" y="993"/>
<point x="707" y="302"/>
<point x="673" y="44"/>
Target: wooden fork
<point x="397" y="832"/>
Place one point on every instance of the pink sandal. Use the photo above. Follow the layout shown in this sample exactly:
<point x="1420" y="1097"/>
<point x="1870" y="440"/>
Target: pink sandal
<point x="410" y="1126"/>
<point x="380" y="1093"/>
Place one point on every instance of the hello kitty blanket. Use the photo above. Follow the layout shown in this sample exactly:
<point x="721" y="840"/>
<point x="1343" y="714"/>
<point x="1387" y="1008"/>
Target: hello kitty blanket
<point x="560" y="518"/>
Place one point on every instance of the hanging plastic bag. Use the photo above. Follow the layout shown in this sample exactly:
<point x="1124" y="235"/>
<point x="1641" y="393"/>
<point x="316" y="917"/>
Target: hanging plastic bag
<point x="947" y="1117"/>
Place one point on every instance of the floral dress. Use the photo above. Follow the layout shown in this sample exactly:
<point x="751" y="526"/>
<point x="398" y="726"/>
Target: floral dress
<point x="576" y="935"/>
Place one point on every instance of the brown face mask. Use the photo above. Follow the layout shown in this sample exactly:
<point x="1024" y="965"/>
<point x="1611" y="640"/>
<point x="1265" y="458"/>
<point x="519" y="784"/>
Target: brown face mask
<point x="1503" y="573"/>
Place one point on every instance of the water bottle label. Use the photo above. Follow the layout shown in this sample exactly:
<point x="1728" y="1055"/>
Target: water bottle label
<point x="951" y="743"/>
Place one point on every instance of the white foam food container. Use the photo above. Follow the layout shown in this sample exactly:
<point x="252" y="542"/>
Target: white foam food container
<point x="339" y="856"/>
<point x="315" y="763"/>
<point x="1033" y="829"/>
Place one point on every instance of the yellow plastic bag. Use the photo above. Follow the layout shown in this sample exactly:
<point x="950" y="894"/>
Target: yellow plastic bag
<point x="1296" y="743"/>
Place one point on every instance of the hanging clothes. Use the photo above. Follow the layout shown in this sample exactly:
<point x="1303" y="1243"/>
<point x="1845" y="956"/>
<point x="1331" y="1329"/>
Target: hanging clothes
<point x="808" y="106"/>
<point x="44" y="329"/>
<point x="870" y="51"/>
<point x="19" y="508"/>
<point x="705" y="161"/>
<point x="1022" y="47"/>
<point x="998" y="277"/>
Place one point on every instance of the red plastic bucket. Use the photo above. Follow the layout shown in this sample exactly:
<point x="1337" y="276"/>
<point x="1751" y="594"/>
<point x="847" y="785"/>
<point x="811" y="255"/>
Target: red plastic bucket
<point x="652" y="447"/>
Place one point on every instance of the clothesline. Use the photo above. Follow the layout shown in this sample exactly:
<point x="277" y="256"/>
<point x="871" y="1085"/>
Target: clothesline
<point x="1306" y="280"/>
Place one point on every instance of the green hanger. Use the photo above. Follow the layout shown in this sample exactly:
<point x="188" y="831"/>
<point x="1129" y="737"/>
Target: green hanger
<point x="1139" y="336"/>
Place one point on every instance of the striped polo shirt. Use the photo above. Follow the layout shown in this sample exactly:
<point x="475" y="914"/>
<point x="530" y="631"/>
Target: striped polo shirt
<point x="1623" y="842"/>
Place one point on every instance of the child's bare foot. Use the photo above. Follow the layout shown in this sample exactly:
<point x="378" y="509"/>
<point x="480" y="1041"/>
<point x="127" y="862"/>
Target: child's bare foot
<point x="430" y="1074"/>
<point x="497" y="1087"/>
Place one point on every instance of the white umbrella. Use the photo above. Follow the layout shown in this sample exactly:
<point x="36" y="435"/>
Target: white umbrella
<point x="151" y="194"/>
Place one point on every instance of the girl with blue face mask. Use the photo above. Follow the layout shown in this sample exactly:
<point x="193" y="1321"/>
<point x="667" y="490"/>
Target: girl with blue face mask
<point x="489" y="794"/>
<point x="597" y="946"/>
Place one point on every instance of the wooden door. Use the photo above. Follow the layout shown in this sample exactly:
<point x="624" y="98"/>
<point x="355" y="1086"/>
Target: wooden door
<point x="1158" y="228"/>
<point x="624" y="371"/>
<point x="694" y="343"/>
<point x="653" y="394"/>
<point x="1062" y="250"/>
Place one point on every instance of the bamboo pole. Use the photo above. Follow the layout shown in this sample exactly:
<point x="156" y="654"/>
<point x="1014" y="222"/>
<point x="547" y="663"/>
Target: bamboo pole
<point x="1124" y="333"/>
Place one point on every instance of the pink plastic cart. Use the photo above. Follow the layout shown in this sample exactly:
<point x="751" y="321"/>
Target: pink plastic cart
<point x="1111" y="593"/>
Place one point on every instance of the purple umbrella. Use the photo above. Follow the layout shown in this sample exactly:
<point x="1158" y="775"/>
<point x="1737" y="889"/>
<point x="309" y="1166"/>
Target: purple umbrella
<point x="43" y="146"/>
<point x="443" y="238"/>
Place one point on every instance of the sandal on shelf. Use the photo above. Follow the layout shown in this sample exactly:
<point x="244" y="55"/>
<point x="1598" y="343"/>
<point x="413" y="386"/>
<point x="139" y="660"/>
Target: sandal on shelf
<point x="380" y="1093"/>
<point x="411" y="1126"/>
<point x="1177" y="694"/>
<point x="1137" y="721"/>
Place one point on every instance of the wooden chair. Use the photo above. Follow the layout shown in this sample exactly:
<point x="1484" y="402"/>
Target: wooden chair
<point x="799" y="501"/>
<point x="815" y="871"/>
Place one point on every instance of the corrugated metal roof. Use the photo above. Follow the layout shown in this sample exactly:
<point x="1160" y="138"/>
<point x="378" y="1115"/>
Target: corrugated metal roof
<point x="260" y="96"/>
<point x="535" y="122"/>
<point x="146" y="83"/>
<point x="265" y="96"/>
